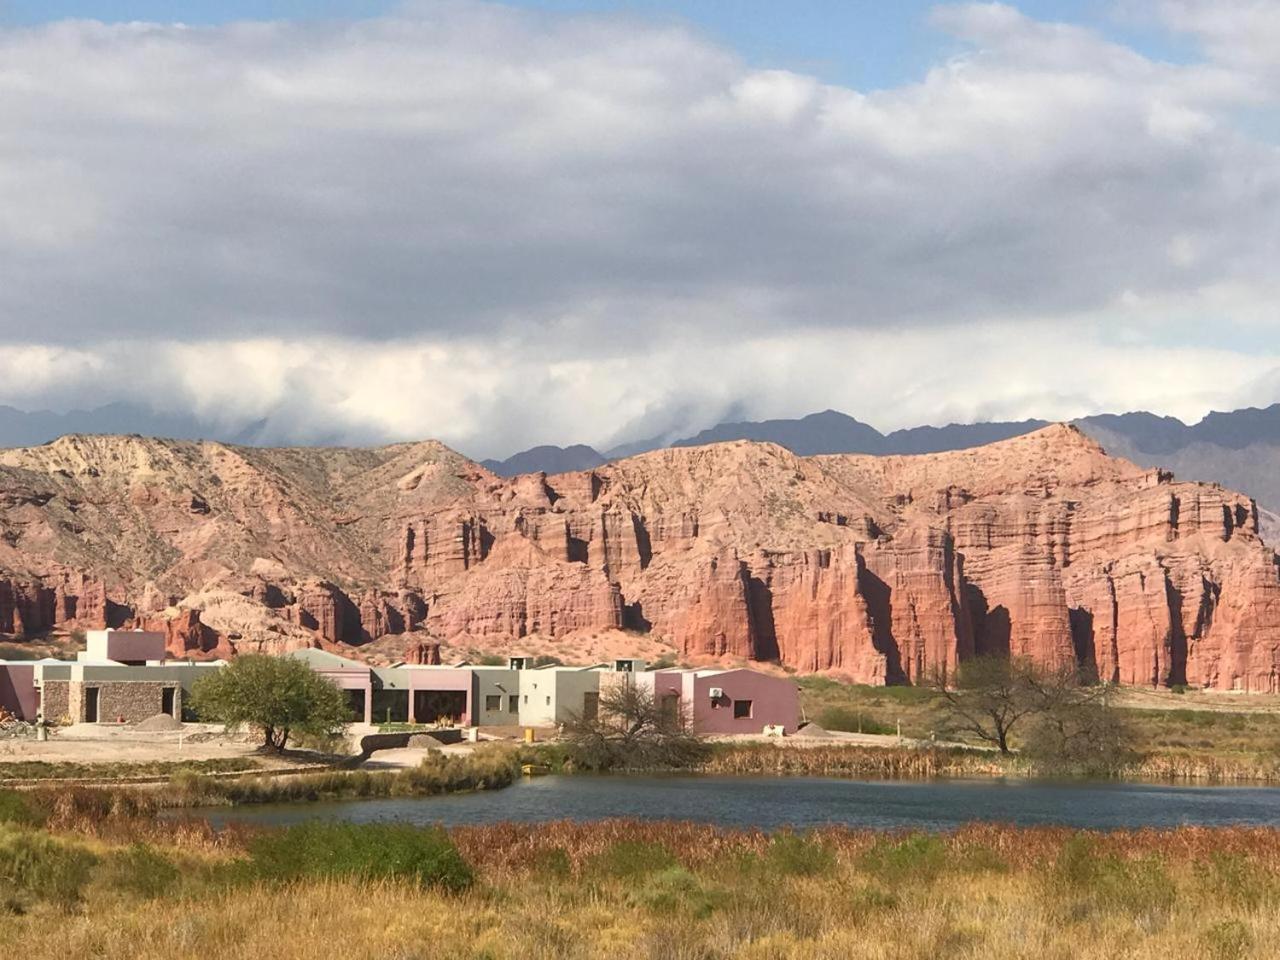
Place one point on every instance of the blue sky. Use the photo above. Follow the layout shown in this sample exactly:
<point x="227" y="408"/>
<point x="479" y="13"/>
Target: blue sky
<point x="866" y="44"/>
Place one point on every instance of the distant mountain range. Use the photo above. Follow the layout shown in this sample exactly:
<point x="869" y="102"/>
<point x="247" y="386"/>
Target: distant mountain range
<point x="1239" y="449"/>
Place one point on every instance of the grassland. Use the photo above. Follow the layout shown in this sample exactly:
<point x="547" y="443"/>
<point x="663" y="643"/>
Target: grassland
<point x="1179" y="736"/>
<point x="114" y="883"/>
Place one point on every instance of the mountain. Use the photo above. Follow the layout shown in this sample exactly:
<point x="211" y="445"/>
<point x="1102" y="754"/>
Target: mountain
<point x="22" y="428"/>
<point x="827" y="432"/>
<point x="880" y="569"/>
<point x="1240" y="449"/>
<point x="546" y="459"/>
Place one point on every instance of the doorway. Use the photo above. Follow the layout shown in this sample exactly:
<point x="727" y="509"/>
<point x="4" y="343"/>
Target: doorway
<point x="436" y="706"/>
<point x="91" y="705"/>
<point x="167" y="700"/>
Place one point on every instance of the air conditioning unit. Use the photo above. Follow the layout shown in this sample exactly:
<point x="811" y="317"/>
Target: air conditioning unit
<point x="716" y="693"/>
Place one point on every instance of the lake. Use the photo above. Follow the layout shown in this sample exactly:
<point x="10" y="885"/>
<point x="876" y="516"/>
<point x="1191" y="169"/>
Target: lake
<point x="772" y="802"/>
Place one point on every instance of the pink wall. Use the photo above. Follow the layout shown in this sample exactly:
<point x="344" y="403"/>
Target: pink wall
<point x="774" y="700"/>
<point x="18" y="690"/>
<point x="131" y="645"/>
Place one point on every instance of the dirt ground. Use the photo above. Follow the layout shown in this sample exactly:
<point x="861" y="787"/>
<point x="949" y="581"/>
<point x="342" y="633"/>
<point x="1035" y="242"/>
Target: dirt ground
<point x="1216" y="700"/>
<point x="95" y="743"/>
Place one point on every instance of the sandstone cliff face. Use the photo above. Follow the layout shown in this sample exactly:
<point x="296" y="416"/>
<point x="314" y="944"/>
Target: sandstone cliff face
<point x="883" y="569"/>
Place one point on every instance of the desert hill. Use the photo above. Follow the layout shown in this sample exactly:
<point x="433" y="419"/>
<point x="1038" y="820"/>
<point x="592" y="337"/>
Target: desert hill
<point x="884" y="569"/>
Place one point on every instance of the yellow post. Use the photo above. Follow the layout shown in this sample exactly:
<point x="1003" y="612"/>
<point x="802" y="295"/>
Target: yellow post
<point x="528" y="734"/>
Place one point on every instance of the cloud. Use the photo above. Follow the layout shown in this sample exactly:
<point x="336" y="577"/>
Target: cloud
<point x="501" y="227"/>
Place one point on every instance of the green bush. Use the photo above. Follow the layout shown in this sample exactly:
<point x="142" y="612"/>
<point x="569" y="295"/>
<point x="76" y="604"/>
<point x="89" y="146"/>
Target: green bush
<point x="919" y="858"/>
<point x="137" y="870"/>
<point x="36" y="868"/>
<point x="797" y="856"/>
<point x="671" y="890"/>
<point x="1089" y="882"/>
<point x="1237" y="880"/>
<point x="632" y="858"/>
<point x="17" y="808"/>
<point x="1228" y="940"/>
<point x="368" y="851"/>
<point x="851" y="720"/>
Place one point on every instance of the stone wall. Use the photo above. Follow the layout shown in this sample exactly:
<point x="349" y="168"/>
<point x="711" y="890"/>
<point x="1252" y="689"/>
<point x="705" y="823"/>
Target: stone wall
<point x="130" y="700"/>
<point x="54" y="700"/>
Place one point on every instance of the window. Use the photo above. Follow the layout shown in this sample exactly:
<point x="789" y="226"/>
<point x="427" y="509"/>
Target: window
<point x="548" y="701"/>
<point x="742" y="709"/>
<point x="493" y="703"/>
<point x="514" y="705"/>
<point x="717" y="703"/>
<point x="526" y="699"/>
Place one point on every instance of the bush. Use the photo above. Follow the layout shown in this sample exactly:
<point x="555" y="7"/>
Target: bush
<point x="671" y="890"/>
<point x="853" y="721"/>
<point x="797" y="856"/>
<point x="632" y="858"/>
<point x="137" y="870"/>
<point x="368" y="851"/>
<point x="917" y="859"/>
<point x="1228" y="940"/>
<point x="1089" y="882"/>
<point x="36" y="868"/>
<point x="16" y="808"/>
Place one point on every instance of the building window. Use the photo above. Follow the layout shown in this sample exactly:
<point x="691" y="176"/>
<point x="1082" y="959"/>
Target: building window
<point x="493" y="703"/>
<point x="742" y="709"/>
<point x="548" y="701"/>
<point x="717" y="703"/>
<point x="526" y="699"/>
<point x="514" y="705"/>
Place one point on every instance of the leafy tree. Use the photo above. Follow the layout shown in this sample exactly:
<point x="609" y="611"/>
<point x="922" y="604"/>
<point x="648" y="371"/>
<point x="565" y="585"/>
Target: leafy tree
<point x="632" y="730"/>
<point x="276" y="695"/>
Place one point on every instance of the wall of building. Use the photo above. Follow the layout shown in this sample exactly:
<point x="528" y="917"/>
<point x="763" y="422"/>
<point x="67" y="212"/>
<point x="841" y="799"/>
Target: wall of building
<point x="18" y="690"/>
<point x="55" y="700"/>
<point x="495" y="682"/>
<point x="125" y="645"/>
<point x="774" y="701"/>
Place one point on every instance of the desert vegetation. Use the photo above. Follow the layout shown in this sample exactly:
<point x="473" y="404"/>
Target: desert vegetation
<point x="121" y="884"/>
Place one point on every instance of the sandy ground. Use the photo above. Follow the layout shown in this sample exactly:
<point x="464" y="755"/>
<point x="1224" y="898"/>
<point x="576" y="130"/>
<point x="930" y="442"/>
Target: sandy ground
<point x="1217" y="700"/>
<point x="92" y="743"/>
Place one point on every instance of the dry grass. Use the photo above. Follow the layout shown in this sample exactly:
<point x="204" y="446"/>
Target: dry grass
<point x="626" y="891"/>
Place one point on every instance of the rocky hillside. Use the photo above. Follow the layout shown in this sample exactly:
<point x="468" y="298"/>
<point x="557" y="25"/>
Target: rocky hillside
<point x="884" y="569"/>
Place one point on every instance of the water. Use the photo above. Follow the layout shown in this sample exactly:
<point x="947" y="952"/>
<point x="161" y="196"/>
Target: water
<point x="770" y="802"/>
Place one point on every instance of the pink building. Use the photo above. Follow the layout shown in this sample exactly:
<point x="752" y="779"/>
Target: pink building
<point x="721" y="701"/>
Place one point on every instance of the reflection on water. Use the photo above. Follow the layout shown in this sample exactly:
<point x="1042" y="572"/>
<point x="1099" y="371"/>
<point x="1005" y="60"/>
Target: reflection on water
<point x="809" y="801"/>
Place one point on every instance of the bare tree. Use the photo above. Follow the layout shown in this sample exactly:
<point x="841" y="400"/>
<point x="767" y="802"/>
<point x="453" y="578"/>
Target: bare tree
<point x="1069" y="724"/>
<point x="632" y="730"/>
<point x="991" y="696"/>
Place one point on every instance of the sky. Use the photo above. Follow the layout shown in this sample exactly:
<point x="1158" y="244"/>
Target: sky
<point x="561" y="221"/>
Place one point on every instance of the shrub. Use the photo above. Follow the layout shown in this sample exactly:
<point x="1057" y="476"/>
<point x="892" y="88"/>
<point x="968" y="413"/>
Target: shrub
<point x="138" y="870"/>
<point x="631" y="858"/>
<point x="16" y="808"/>
<point x="35" y="867"/>
<point x="673" y="889"/>
<point x="1235" y="879"/>
<point x="853" y="721"/>
<point x="369" y="851"/>
<point x="1087" y="881"/>
<point x="919" y="858"/>
<point x="1228" y="940"/>
<point x="791" y="855"/>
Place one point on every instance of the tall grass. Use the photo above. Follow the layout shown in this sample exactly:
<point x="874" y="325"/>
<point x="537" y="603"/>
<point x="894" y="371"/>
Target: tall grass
<point x="632" y="890"/>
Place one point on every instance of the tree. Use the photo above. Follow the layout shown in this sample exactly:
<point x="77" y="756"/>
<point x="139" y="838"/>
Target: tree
<point x="1069" y="723"/>
<point x="276" y="695"/>
<point x="1081" y="733"/>
<point x="632" y="730"/>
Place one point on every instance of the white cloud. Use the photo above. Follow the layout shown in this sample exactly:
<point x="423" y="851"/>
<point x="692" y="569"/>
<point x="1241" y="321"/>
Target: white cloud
<point x="504" y="228"/>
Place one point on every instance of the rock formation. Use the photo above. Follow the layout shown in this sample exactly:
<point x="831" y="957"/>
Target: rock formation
<point x="882" y="569"/>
